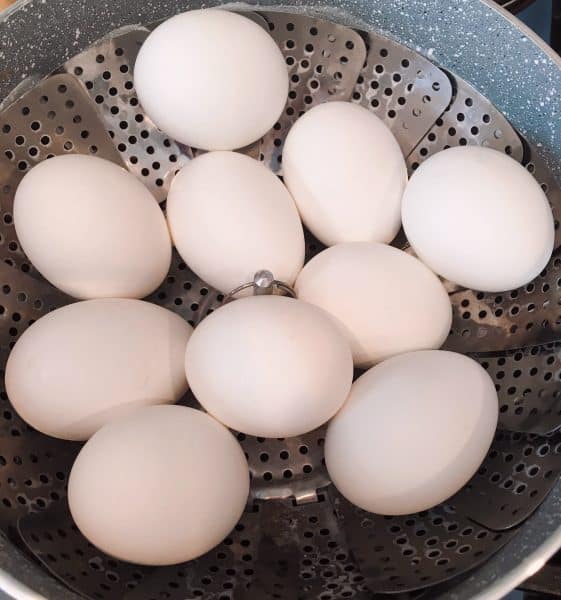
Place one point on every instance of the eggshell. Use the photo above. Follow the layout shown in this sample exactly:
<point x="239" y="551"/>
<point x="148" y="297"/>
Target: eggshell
<point x="230" y="217"/>
<point x="91" y="228"/>
<point x="211" y="79"/>
<point x="87" y="363"/>
<point x="346" y="173"/>
<point x="414" y="430"/>
<point x="269" y="366"/>
<point x="161" y="486"/>
<point x="386" y="301"/>
<point x="478" y="218"/>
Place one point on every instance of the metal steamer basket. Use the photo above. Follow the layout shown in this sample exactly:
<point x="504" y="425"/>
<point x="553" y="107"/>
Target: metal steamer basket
<point x="440" y="74"/>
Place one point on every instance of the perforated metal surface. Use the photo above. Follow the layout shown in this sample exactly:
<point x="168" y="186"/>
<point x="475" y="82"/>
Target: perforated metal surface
<point x="33" y="467"/>
<point x="485" y="322"/>
<point x="261" y="558"/>
<point x="323" y="61"/>
<point x="183" y="292"/>
<point x="414" y="551"/>
<point x="286" y="467"/>
<point x="529" y="387"/>
<point x="282" y="467"/>
<point x="305" y="555"/>
<point x="469" y="120"/>
<point x="306" y="551"/>
<point x="55" y="117"/>
<point x="54" y="539"/>
<point x="403" y="88"/>
<point x="298" y="537"/>
<point x="535" y="165"/>
<point x="106" y="70"/>
<point x="517" y="474"/>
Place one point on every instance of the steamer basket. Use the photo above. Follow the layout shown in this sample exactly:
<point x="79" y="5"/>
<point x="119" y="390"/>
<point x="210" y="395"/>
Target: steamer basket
<point x="440" y="74"/>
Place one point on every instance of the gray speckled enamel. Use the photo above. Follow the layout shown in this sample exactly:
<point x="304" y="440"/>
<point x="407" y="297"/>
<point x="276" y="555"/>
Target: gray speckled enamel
<point x="468" y="37"/>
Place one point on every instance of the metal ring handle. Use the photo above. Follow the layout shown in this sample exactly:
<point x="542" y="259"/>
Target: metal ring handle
<point x="263" y="284"/>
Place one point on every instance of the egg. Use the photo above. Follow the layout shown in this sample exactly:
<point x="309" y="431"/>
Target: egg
<point x="269" y="366"/>
<point x="479" y="219"/>
<point x="414" y="430"/>
<point x="161" y="486"/>
<point x="91" y="228"/>
<point x="211" y="79"/>
<point x="346" y="173"/>
<point x="230" y="217"/>
<point x="386" y="301"/>
<point x="83" y="365"/>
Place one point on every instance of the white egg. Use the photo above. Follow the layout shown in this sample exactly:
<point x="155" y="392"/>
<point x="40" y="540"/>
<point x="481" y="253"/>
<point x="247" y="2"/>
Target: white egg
<point x="414" y="430"/>
<point x="87" y="363"/>
<point x="230" y="217"/>
<point x="386" y="301"/>
<point x="161" y="486"/>
<point x="269" y="366"/>
<point x="211" y="79"/>
<point x="91" y="228"/>
<point x="478" y="218"/>
<point x="346" y="173"/>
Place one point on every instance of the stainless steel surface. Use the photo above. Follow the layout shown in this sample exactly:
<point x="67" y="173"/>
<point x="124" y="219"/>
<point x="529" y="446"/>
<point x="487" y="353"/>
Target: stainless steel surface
<point x="537" y="166"/>
<point x="323" y="61"/>
<point x="403" y="88"/>
<point x="528" y="387"/>
<point x="530" y="315"/>
<point x="402" y="553"/>
<point x="482" y="321"/>
<point x="470" y="119"/>
<point x="105" y="70"/>
<point x="53" y="118"/>
<point x="298" y="537"/>
<point x="513" y="480"/>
